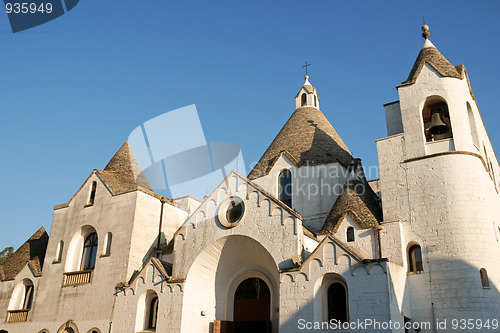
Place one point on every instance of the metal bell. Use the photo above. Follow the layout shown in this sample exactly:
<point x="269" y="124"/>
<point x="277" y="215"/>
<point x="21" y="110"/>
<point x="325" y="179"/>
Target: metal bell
<point x="437" y="125"/>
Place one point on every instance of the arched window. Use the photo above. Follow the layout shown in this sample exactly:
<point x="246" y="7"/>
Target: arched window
<point x="473" y="128"/>
<point x="415" y="259"/>
<point x="28" y="297"/>
<point x="337" y="302"/>
<point x="436" y="117"/>
<point x="147" y="312"/>
<point x="20" y="302"/>
<point x="350" y="234"/>
<point x="315" y="101"/>
<point x="59" y="252"/>
<point x="89" y="252"/>
<point x="22" y="296"/>
<point x="285" y="187"/>
<point x="484" y="278"/>
<point x="107" y="244"/>
<point x="304" y="99"/>
<point x="92" y="193"/>
<point x="153" y="313"/>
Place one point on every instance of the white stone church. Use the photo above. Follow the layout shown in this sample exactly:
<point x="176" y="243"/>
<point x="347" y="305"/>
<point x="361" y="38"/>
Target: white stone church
<point x="303" y="243"/>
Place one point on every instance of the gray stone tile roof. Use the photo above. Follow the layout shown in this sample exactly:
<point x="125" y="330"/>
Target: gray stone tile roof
<point x="123" y="173"/>
<point x="309" y="138"/>
<point x="357" y="200"/>
<point x="31" y="253"/>
<point x="433" y="57"/>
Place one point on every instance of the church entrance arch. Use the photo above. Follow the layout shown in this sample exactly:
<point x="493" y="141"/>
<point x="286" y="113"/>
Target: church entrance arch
<point x="252" y="306"/>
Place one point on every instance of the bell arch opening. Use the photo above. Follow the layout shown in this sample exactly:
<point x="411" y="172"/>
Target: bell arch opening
<point x="436" y="119"/>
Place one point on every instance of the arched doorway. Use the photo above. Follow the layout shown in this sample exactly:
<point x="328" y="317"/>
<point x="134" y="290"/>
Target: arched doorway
<point x="252" y="306"/>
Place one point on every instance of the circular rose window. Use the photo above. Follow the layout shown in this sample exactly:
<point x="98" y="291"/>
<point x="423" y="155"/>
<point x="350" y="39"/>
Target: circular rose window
<point x="231" y="212"/>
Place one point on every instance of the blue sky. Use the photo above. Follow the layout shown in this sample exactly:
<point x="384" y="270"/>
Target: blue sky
<point x="73" y="89"/>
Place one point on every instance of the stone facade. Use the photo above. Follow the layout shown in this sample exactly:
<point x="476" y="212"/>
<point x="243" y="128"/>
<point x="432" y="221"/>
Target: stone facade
<point x="418" y="246"/>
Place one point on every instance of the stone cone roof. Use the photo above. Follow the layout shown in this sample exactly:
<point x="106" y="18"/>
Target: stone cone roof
<point x="307" y="138"/>
<point x="32" y="252"/>
<point x="358" y="200"/>
<point x="433" y="57"/>
<point x="123" y="173"/>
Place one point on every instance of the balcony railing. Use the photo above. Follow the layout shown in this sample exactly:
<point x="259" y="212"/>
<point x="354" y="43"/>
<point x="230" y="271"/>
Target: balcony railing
<point x="17" y="316"/>
<point x="76" y="278"/>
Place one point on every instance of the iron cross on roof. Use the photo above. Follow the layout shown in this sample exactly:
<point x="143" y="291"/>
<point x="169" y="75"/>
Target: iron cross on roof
<point x="306" y="65"/>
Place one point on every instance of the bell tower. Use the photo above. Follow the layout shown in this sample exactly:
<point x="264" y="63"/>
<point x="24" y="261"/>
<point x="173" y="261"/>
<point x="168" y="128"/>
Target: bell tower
<point x="439" y="187"/>
<point x="307" y="95"/>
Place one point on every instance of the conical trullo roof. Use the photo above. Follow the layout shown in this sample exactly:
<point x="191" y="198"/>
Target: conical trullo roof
<point x="309" y="139"/>
<point x="123" y="173"/>
<point x="431" y="55"/>
<point x="358" y="200"/>
<point x="32" y="252"/>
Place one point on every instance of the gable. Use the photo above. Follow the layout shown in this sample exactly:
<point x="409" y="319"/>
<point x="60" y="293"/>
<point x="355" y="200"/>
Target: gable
<point x="82" y="195"/>
<point x="270" y="181"/>
<point x="359" y="201"/>
<point x="265" y="219"/>
<point x="153" y="270"/>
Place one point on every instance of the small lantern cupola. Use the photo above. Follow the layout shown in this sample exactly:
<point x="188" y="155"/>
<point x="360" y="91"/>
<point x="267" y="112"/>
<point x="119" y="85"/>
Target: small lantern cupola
<point x="307" y="96"/>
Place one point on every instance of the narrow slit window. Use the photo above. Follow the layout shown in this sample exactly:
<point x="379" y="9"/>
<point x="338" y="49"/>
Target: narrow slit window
<point x="415" y="259"/>
<point x="304" y="99"/>
<point x="484" y="278"/>
<point x="285" y="187"/>
<point x="107" y="242"/>
<point x="59" y="251"/>
<point x="473" y="127"/>
<point x="92" y="193"/>
<point x="350" y="234"/>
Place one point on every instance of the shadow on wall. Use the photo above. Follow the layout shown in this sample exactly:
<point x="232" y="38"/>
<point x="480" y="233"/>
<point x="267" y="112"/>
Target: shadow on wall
<point x="38" y="246"/>
<point x="151" y="252"/>
<point x="457" y="293"/>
